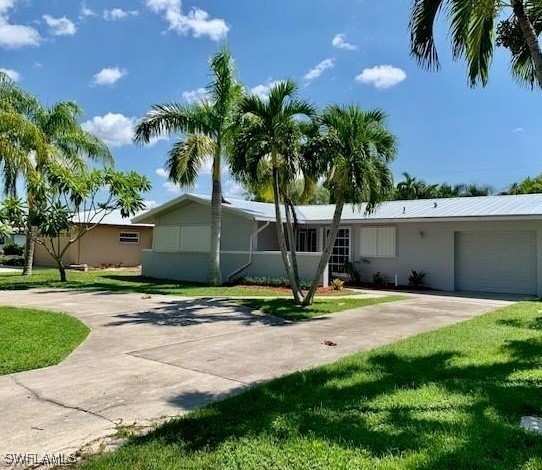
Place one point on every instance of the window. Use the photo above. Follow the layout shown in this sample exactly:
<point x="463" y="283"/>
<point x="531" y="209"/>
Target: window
<point x="378" y="242"/>
<point x="341" y="251"/>
<point x="195" y="238"/>
<point x="129" y="237"/>
<point x="306" y="240"/>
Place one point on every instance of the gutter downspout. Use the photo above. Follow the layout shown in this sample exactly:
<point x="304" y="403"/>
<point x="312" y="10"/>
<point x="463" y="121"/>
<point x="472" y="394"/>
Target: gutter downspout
<point x="252" y="235"/>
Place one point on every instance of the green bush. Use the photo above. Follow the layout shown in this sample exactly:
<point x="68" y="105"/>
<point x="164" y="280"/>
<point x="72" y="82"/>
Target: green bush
<point x="337" y="284"/>
<point x="271" y="281"/>
<point x="19" y="261"/>
<point x="13" y="249"/>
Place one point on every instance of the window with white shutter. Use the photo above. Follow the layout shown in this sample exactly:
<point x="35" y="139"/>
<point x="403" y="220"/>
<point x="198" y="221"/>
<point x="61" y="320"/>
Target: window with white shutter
<point x="378" y="242"/>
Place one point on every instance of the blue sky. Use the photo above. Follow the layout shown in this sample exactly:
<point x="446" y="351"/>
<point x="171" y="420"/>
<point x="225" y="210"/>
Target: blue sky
<point x="117" y="57"/>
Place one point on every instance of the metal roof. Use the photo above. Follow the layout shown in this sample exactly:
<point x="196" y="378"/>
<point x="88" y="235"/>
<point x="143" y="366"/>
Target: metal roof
<point x="523" y="205"/>
<point x="113" y="218"/>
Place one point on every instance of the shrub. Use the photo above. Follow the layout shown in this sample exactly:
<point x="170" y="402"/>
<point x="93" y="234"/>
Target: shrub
<point x="337" y="284"/>
<point x="416" y="279"/>
<point x="350" y="269"/>
<point x="271" y="281"/>
<point x="19" y="261"/>
<point x="379" y="279"/>
<point x="11" y="249"/>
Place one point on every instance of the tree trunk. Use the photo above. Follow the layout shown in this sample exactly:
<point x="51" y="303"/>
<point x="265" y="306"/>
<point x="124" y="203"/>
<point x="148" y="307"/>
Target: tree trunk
<point x="61" y="270"/>
<point x="215" y="276"/>
<point x="529" y="34"/>
<point x="280" y="236"/>
<point x="324" y="260"/>
<point x="292" y="243"/>
<point x="29" y="251"/>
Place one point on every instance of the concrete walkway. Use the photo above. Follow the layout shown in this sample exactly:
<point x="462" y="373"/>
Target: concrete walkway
<point x="150" y="358"/>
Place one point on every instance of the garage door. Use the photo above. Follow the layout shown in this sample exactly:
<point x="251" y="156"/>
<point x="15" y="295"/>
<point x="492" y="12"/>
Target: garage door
<point x="496" y="262"/>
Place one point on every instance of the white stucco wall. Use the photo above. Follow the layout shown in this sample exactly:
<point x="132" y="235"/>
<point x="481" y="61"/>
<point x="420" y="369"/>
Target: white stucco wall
<point x="429" y="246"/>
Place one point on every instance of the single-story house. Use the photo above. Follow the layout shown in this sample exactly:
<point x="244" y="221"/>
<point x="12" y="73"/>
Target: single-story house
<point x="485" y="244"/>
<point x="12" y="239"/>
<point x="115" y="241"/>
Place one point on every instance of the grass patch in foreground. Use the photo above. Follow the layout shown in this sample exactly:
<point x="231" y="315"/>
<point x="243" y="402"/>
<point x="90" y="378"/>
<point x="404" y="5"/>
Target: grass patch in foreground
<point x="448" y="399"/>
<point x="287" y="309"/>
<point x="30" y="339"/>
<point x="127" y="281"/>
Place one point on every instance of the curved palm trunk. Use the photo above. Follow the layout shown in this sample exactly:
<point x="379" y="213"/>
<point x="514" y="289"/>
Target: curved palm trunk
<point x="29" y="251"/>
<point x="281" y="239"/>
<point x="215" y="276"/>
<point x="529" y="34"/>
<point x="324" y="260"/>
<point x="292" y="243"/>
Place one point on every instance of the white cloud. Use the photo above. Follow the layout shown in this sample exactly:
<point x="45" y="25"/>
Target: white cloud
<point x="518" y="129"/>
<point x="195" y="96"/>
<point x="340" y="42"/>
<point x="118" y="14"/>
<point x="150" y="204"/>
<point x="14" y="36"/>
<point x="172" y="187"/>
<point x="113" y="128"/>
<point x="234" y="190"/>
<point x="262" y="90"/>
<point x="315" y="72"/>
<point x="60" y="26"/>
<point x="109" y="76"/>
<point x="162" y="173"/>
<point x="13" y="74"/>
<point x="86" y="11"/>
<point x="381" y="76"/>
<point x="197" y="22"/>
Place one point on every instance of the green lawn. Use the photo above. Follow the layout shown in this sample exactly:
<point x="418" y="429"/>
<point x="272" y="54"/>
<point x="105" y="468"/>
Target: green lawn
<point x="126" y="281"/>
<point x="286" y="309"/>
<point x="449" y="399"/>
<point x="30" y="339"/>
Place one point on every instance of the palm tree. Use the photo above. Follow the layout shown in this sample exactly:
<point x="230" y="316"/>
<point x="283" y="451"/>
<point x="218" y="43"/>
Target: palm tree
<point x="407" y="189"/>
<point x="356" y="151"/>
<point x="34" y="137"/>
<point x="205" y="129"/>
<point x="473" y="28"/>
<point x="268" y="145"/>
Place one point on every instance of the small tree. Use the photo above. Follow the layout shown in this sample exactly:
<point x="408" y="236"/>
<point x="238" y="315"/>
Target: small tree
<point x="69" y="204"/>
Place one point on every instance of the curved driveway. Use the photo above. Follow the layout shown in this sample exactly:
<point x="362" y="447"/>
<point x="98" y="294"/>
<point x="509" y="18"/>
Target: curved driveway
<point x="149" y="358"/>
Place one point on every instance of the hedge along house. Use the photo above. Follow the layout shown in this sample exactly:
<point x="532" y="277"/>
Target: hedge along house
<point x="484" y="244"/>
<point x="115" y="241"/>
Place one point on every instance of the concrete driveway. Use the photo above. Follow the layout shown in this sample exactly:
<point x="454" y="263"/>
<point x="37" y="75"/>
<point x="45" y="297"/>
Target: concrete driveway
<point x="150" y="358"/>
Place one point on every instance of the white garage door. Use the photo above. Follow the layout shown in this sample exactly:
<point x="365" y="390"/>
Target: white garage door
<point x="496" y="262"/>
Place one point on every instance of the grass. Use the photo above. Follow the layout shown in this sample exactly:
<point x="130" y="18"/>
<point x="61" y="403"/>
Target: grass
<point x="126" y="281"/>
<point x="30" y="339"/>
<point x="448" y="399"/>
<point x="286" y="309"/>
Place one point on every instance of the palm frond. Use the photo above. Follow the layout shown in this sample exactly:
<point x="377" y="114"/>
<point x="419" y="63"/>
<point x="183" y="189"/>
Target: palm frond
<point x="422" y="40"/>
<point x="186" y="158"/>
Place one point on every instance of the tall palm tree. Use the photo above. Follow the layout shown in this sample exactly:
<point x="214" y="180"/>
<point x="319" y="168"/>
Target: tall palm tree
<point x="205" y="129"/>
<point x="356" y="153"/>
<point x="474" y="24"/>
<point x="34" y="136"/>
<point x="269" y="139"/>
<point x="408" y="188"/>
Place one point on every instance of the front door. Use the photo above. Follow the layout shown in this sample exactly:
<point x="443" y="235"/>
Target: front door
<point x="340" y="253"/>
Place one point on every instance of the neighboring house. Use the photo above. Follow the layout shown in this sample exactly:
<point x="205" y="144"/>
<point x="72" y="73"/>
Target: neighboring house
<point x="485" y="244"/>
<point x="115" y="241"/>
<point x="14" y="238"/>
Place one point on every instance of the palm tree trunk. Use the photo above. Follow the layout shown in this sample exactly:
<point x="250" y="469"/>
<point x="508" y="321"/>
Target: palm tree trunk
<point x="529" y="34"/>
<point x="29" y="251"/>
<point x="61" y="270"/>
<point x="292" y="243"/>
<point x="281" y="239"/>
<point x="324" y="260"/>
<point x="215" y="276"/>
